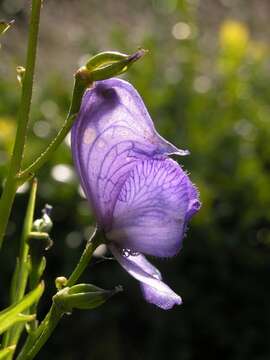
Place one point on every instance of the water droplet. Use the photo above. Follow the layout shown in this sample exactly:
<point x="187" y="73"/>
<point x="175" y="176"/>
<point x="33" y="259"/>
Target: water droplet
<point x="128" y="252"/>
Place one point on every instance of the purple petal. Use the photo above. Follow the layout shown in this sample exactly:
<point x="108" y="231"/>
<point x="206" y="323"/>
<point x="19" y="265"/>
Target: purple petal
<point x="194" y="202"/>
<point x="152" y="208"/>
<point x="155" y="291"/>
<point x="112" y="131"/>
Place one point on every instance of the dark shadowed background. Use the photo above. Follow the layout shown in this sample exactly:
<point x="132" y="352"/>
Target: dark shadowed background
<point x="206" y="84"/>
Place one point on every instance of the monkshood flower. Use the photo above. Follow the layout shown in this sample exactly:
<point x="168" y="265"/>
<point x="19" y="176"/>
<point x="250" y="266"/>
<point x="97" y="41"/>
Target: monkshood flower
<point x="141" y="198"/>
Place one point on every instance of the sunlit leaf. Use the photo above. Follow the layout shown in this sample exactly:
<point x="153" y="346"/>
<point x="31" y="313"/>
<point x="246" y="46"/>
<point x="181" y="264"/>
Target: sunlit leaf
<point x="4" y="353"/>
<point x="12" y="314"/>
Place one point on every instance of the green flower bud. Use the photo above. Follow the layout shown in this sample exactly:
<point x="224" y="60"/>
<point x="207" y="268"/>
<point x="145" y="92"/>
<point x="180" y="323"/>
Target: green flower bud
<point x="82" y="296"/>
<point x="104" y="58"/>
<point x="60" y="282"/>
<point x="106" y="65"/>
<point x="115" y="67"/>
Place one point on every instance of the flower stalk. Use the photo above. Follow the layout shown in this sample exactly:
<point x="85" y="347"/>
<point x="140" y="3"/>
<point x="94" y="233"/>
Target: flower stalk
<point x="39" y="337"/>
<point x="21" y="273"/>
<point x="11" y="184"/>
<point x="80" y="84"/>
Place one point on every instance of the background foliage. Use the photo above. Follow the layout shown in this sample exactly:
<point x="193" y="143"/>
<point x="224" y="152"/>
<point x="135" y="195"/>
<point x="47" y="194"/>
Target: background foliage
<point x="206" y="84"/>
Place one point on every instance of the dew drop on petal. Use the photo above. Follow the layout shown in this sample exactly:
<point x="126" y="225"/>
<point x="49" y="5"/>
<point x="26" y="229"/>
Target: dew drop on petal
<point x="128" y="252"/>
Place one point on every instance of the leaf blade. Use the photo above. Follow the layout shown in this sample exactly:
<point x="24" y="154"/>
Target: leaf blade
<point x="12" y="314"/>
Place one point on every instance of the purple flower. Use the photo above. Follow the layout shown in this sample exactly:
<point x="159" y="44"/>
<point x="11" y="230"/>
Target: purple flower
<point x="141" y="198"/>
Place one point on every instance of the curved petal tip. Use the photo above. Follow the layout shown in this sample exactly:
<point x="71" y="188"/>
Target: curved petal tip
<point x="154" y="290"/>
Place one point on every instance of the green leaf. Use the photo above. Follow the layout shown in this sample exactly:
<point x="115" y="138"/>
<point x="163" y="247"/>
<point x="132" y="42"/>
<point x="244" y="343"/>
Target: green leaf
<point x="4" y="26"/>
<point x="12" y="314"/>
<point x="7" y="351"/>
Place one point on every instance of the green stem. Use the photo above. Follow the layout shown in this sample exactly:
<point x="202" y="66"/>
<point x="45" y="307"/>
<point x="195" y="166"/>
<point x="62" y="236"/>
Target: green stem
<point x="91" y="245"/>
<point x="36" y="340"/>
<point x="80" y="86"/>
<point x="11" y="184"/>
<point x="37" y="268"/>
<point x="21" y="273"/>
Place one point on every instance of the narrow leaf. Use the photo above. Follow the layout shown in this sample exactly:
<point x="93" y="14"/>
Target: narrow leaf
<point x="7" y="351"/>
<point x="12" y="314"/>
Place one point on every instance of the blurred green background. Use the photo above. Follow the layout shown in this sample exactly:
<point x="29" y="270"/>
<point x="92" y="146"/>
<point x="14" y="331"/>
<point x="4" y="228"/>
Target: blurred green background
<point x="206" y="84"/>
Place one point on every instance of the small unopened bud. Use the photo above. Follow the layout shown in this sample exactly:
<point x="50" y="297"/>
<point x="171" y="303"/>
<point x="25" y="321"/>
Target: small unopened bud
<point x="114" y="68"/>
<point x="106" y="65"/>
<point x="45" y="223"/>
<point x="82" y="296"/>
<point x="60" y="282"/>
<point x="104" y="58"/>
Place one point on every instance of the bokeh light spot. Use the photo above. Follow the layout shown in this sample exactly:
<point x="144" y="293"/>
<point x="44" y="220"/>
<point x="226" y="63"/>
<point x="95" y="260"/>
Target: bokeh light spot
<point x="41" y="129"/>
<point x="23" y="188"/>
<point x="181" y="31"/>
<point x="74" y="239"/>
<point x="49" y="109"/>
<point x="202" y="84"/>
<point x="62" y="173"/>
<point x="100" y="250"/>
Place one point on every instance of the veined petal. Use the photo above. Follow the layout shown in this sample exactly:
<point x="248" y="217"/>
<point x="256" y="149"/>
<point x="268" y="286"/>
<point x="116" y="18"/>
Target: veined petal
<point x="112" y="131"/>
<point x="155" y="291"/>
<point x="151" y="210"/>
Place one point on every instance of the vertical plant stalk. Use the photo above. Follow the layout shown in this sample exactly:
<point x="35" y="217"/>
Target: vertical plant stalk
<point x="36" y="340"/>
<point x="20" y="276"/>
<point x="11" y="184"/>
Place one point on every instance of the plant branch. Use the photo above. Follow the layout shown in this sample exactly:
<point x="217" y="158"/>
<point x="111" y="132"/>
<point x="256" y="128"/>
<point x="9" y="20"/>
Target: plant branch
<point x="80" y="86"/>
<point x="19" y="280"/>
<point x="11" y="184"/>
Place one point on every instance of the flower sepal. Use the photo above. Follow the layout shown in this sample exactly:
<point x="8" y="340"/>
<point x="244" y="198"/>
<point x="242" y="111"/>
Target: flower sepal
<point x="82" y="296"/>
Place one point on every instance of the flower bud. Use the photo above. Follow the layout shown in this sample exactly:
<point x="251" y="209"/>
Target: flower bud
<point x="104" y="58"/>
<point x="39" y="241"/>
<point x="82" y="296"/>
<point x="60" y="282"/>
<point x="114" y="67"/>
<point x="45" y="223"/>
<point x="106" y="65"/>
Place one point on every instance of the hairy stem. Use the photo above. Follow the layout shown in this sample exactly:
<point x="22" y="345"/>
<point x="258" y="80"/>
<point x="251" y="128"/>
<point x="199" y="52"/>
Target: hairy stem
<point x="80" y="86"/>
